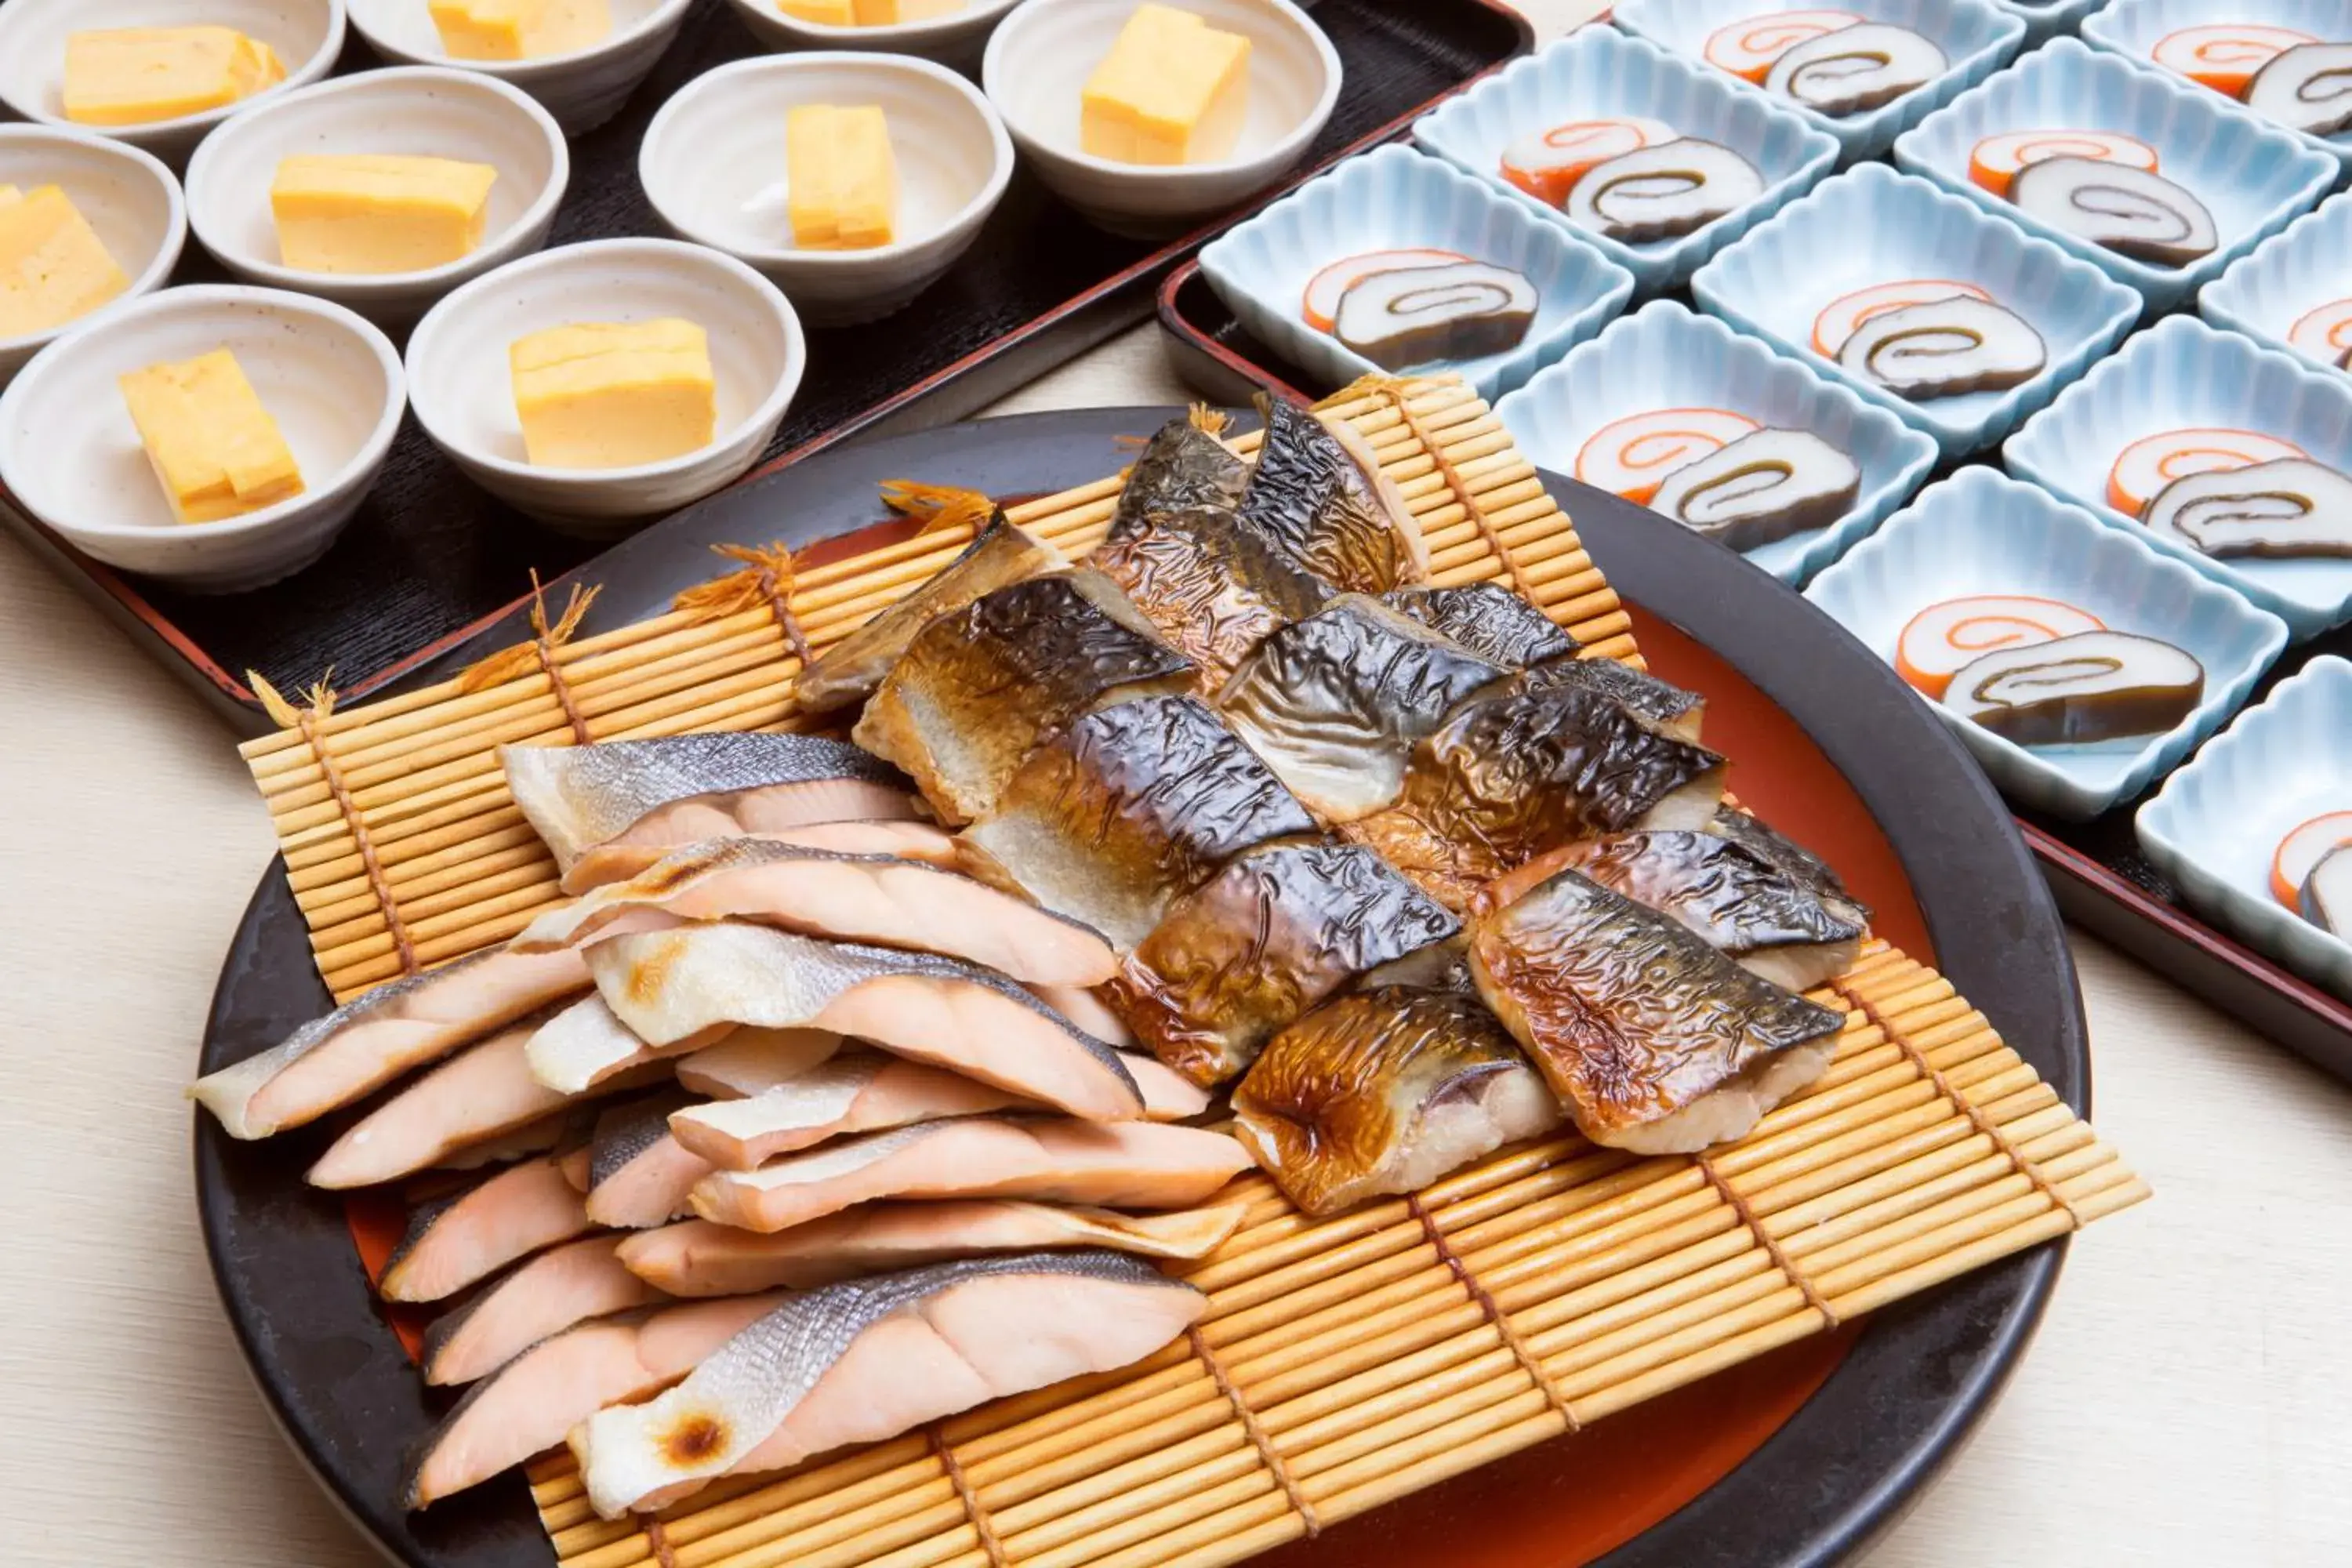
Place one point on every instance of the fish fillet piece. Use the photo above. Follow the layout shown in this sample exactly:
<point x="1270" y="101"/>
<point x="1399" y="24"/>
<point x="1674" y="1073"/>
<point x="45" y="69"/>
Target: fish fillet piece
<point x="847" y="672"/>
<point x="1214" y="586"/>
<point x="562" y="1287"/>
<point x="375" y="1037"/>
<point x="752" y="1060"/>
<point x="1183" y="467"/>
<point x="462" y="1240"/>
<point x="527" y="1406"/>
<point x="683" y="788"/>
<point x="1487" y="619"/>
<point x="857" y="1091"/>
<point x="1129" y="809"/>
<point x="1270" y="936"/>
<point x="1508" y="777"/>
<point x="867" y="1359"/>
<point x="1746" y="907"/>
<point x="1385" y="1091"/>
<point x="670" y="985"/>
<point x="586" y="1043"/>
<point x="1083" y="1006"/>
<point x="875" y="898"/>
<point x="484" y="1093"/>
<point x="1335" y="703"/>
<point x="1653" y="1041"/>
<point x="1315" y="490"/>
<point x="1123" y="1164"/>
<point x="696" y="1258"/>
<point x="978" y="690"/>
<point x="907" y="840"/>
<point x="1660" y="704"/>
<point x="639" y="1175"/>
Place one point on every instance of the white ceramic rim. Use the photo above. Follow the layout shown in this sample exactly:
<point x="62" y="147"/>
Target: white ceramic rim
<point x="1280" y="155"/>
<point x="321" y="62"/>
<point x="371" y="451"/>
<point x="166" y="258"/>
<point x="769" y="407"/>
<point x="668" y="13"/>
<point x="826" y="35"/>
<point x="999" y="173"/>
<point x="363" y="285"/>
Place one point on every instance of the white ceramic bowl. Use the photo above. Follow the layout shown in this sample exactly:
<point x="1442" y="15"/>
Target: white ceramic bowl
<point x="130" y="200"/>
<point x="957" y="38"/>
<point x="419" y="111"/>
<point x="307" y="35"/>
<point x="463" y="391"/>
<point x="713" y="166"/>
<point x="72" y="457"/>
<point x="1037" y="65"/>
<point x="583" y="89"/>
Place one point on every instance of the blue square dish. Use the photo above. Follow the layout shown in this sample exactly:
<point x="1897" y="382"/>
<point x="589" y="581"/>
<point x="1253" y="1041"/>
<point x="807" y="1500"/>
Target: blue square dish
<point x="2303" y="267"/>
<point x="1664" y="357"/>
<point x="2216" y="824"/>
<point x="1975" y="36"/>
<point x="2132" y="29"/>
<point x="2185" y="375"/>
<point x="1394" y="198"/>
<point x="1871" y="226"/>
<point x="1600" y="73"/>
<point x="1979" y="533"/>
<point x="2251" y="176"/>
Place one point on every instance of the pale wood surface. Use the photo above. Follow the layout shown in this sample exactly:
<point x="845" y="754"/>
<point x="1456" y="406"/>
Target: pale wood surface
<point x="2189" y="1400"/>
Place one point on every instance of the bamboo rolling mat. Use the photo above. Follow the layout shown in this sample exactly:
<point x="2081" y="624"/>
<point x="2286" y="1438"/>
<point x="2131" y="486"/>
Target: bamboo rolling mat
<point x="1343" y="1362"/>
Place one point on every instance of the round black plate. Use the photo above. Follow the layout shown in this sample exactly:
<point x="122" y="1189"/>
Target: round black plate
<point x="1836" y="1474"/>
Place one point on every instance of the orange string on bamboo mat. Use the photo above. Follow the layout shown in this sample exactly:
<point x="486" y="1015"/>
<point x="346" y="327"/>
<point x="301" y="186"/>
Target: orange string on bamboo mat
<point x="1393" y="391"/>
<point x="658" y="1539"/>
<point x="1765" y="1239"/>
<point x="1967" y="1107"/>
<point x="508" y="663"/>
<point x="1493" y="1309"/>
<point x="766" y="579"/>
<point x="980" y="1523"/>
<point x="1256" y="1433"/>
<point x="306" y="720"/>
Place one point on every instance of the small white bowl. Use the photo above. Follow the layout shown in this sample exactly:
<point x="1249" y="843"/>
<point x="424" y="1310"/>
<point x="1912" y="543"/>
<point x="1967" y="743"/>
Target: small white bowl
<point x="713" y="166"/>
<point x="307" y="35"/>
<point x="71" y="456"/>
<point x="583" y="89"/>
<point x="957" y="38"/>
<point x="1037" y="66"/>
<point x="418" y="111"/>
<point x="130" y="200"/>
<point x="463" y="390"/>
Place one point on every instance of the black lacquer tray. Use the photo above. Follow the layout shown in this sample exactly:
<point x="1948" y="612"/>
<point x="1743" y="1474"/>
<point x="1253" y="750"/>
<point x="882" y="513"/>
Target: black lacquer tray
<point x="429" y="557"/>
<point x="2101" y="879"/>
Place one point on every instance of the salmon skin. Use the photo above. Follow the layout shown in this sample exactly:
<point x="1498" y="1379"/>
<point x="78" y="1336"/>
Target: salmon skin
<point x="1317" y="491"/>
<point x="846" y="673"/>
<point x="866" y="1359"/>
<point x="1335" y="703"/>
<point x="639" y="1175"/>
<point x="1124" y="1165"/>
<point x="457" y="1242"/>
<point x="1213" y="586"/>
<point x="875" y="898"/>
<point x="978" y="690"/>
<point x="696" y="1258"/>
<point x="670" y="985"/>
<point x="1183" y="468"/>
<point x="1486" y="619"/>
<point x="1129" y="809"/>
<point x="1271" y="936"/>
<point x="1385" y="1091"/>
<point x="375" y="1037"/>
<point x="1653" y="1041"/>
<point x="681" y="788"/>
<point x="547" y="1295"/>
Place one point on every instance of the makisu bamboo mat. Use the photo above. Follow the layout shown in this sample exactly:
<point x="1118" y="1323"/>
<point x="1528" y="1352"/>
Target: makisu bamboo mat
<point x="1345" y="1361"/>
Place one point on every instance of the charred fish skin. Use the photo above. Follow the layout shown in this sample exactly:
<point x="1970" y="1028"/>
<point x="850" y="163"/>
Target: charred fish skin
<point x="1129" y="809"/>
<point x="1657" y="702"/>
<point x="847" y="674"/>
<point x="1488" y="620"/>
<point x="1214" y="586"/>
<point x="1385" y="1091"/>
<point x="1183" y="468"/>
<point x="1328" y="506"/>
<point x="1635" y="1021"/>
<point x="1793" y="859"/>
<point x="1270" y="936"/>
<point x="978" y="690"/>
<point x="1335" y="703"/>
